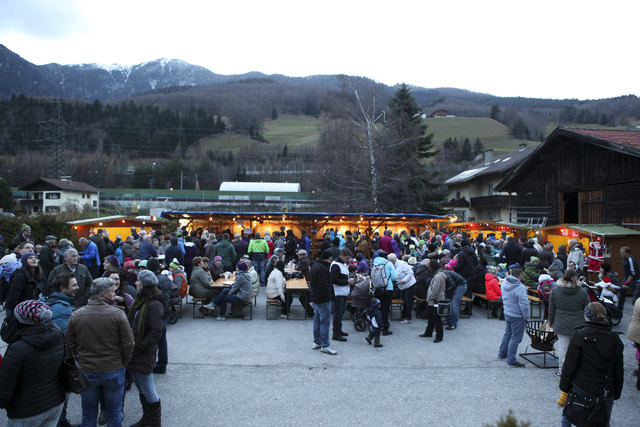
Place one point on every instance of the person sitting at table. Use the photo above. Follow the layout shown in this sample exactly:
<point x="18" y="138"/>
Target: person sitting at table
<point x="215" y="268"/>
<point x="201" y="286"/>
<point x="276" y="285"/>
<point x="240" y="291"/>
<point x="304" y="264"/>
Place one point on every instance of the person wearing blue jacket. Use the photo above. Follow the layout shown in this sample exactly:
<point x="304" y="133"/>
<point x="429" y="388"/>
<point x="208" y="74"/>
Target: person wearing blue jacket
<point x="385" y="295"/>
<point x="516" y="313"/>
<point x="90" y="256"/>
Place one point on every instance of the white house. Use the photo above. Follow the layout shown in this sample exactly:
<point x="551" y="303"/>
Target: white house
<point x="50" y="196"/>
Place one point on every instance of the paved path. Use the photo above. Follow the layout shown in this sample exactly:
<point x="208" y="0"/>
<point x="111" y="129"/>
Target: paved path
<point x="263" y="373"/>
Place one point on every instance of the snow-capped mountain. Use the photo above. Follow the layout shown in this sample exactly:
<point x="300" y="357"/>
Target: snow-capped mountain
<point x="95" y="81"/>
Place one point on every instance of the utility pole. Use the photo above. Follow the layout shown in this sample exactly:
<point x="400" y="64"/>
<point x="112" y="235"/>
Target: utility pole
<point x="55" y="141"/>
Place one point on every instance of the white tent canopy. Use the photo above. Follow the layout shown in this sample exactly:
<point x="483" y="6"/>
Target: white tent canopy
<point x="272" y="187"/>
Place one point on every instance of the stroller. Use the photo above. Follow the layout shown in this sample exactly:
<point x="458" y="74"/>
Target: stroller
<point x="361" y="295"/>
<point x="613" y="313"/>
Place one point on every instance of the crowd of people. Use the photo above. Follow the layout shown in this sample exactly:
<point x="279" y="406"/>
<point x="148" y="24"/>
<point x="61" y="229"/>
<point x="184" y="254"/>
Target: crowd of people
<point x="55" y="293"/>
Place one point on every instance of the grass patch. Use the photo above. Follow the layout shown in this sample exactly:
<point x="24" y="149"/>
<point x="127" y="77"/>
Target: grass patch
<point x="292" y="130"/>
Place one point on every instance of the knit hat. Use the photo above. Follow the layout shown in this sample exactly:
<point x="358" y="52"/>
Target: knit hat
<point x="242" y="266"/>
<point x="412" y="246"/>
<point x="492" y="269"/>
<point x="147" y="278"/>
<point x="26" y="256"/>
<point x="128" y="263"/>
<point x="31" y="312"/>
<point x="502" y="266"/>
<point x="153" y="265"/>
<point x="412" y="261"/>
<point x="24" y="228"/>
<point x="174" y="265"/>
<point x="50" y="237"/>
<point x="302" y="252"/>
<point x="421" y="242"/>
<point x="534" y="259"/>
<point x="278" y="251"/>
<point x="113" y="260"/>
<point x="217" y="258"/>
<point x="142" y="264"/>
<point x="375" y="302"/>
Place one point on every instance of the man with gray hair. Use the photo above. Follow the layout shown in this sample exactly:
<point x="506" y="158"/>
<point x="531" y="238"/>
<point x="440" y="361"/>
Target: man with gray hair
<point x="90" y="256"/>
<point x="516" y="313"/>
<point x="80" y="272"/>
<point x="100" y="335"/>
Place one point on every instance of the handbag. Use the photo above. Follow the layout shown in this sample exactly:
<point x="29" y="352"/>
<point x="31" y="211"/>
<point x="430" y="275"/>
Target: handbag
<point x="585" y="410"/>
<point x="443" y="307"/>
<point x="73" y="378"/>
<point x="10" y="330"/>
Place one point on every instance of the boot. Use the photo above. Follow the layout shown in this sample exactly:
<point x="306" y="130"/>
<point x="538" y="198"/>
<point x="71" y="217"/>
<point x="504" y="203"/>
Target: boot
<point x="369" y="338"/>
<point x="144" y="421"/>
<point x="376" y="341"/>
<point x="155" y="414"/>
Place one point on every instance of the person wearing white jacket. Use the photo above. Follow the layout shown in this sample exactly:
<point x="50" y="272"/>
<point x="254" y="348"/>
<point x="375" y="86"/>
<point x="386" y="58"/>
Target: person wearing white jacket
<point x="406" y="281"/>
<point x="276" y="284"/>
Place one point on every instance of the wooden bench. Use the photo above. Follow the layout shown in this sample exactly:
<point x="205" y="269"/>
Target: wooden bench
<point x="273" y="302"/>
<point x="242" y="307"/>
<point x="466" y="307"/>
<point x="535" y="302"/>
<point x="490" y="304"/>
<point x="195" y="301"/>
<point x="396" y="303"/>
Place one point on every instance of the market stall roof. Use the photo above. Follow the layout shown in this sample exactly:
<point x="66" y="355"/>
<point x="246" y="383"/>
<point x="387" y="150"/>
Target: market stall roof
<point x="600" y="229"/>
<point x="201" y="214"/>
<point x="105" y="219"/>
<point x="271" y="187"/>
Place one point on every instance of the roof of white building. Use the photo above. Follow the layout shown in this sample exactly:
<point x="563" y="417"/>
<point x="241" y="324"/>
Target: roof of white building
<point x="270" y="187"/>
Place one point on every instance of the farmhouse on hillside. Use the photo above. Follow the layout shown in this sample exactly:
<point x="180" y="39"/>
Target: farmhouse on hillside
<point x="50" y="196"/>
<point x="441" y="113"/>
<point x="585" y="176"/>
<point x="472" y="193"/>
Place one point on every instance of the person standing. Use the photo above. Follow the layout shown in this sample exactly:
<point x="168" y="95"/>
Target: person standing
<point x="406" y="282"/>
<point x="516" y="313"/>
<point x="631" y="276"/>
<point x="46" y="255"/>
<point x="434" y="294"/>
<point x="576" y="254"/>
<point x="385" y="294"/>
<point x="25" y="283"/>
<point x="593" y="366"/>
<point x="90" y="256"/>
<point x="32" y="391"/>
<point x="258" y="250"/>
<point x="100" y="336"/>
<point x="566" y="311"/>
<point x="225" y="250"/>
<point x="146" y="319"/>
<point x="80" y="272"/>
<point x="339" y="277"/>
<point x="321" y="292"/>
<point x="634" y="335"/>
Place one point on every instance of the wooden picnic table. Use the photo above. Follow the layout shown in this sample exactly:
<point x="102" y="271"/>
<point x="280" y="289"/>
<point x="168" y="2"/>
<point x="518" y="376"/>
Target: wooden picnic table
<point x="295" y="286"/>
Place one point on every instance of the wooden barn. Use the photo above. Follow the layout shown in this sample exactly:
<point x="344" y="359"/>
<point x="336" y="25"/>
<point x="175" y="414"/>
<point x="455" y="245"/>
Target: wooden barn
<point x="583" y="176"/>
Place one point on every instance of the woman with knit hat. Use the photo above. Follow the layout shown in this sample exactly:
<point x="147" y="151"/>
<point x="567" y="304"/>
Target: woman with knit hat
<point x="26" y="283"/>
<point x="32" y="390"/>
<point x="145" y="317"/>
<point x="240" y="291"/>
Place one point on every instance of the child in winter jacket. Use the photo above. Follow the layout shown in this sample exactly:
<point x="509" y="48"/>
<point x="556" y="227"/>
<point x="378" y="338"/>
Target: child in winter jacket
<point x="374" y="316"/>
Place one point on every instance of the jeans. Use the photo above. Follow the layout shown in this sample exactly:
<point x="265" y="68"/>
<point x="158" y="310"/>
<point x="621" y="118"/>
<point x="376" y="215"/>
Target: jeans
<point x="456" y="300"/>
<point x="163" y="349"/>
<point x="48" y="418"/>
<point x="109" y="385"/>
<point x="321" y="322"/>
<point x="407" y="298"/>
<point x="339" y="305"/>
<point x="513" y="332"/>
<point x="635" y="290"/>
<point x="223" y="298"/>
<point x="260" y="267"/>
<point x="145" y="385"/>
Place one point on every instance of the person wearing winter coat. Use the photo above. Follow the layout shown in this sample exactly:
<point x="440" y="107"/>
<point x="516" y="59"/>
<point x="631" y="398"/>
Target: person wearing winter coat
<point x="276" y="284"/>
<point x="374" y="318"/>
<point x="491" y="284"/>
<point x="593" y="365"/>
<point x="200" y="286"/>
<point x="385" y="294"/>
<point x="546" y="255"/>
<point x="531" y="273"/>
<point x="633" y="333"/>
<point x="576" y="254"/>
<point x="32" y="391"/>
<point x="566" y="311"/>
<point x="225" y="250"/>
<point x="423" y="278"/>
<point x="528" y="250"/>
<point x="511" y="252"/>
<point x="515" y="305"/>
<point x="556" y="270"/>
<point x="240" y="291"/>
<point x="26" y="283"/>
<point x="60" y="302"/>
<point x="435" y="293"/>
<point x="562" y="256"/>
<point x="146" y="320"/>
<point x="406" y="283"/>
<point x="467" y="261"/>
<point x="456" y="288"/>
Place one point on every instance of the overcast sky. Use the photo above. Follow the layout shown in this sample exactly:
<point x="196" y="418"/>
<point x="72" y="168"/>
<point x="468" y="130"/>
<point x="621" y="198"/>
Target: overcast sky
<point x="544" y="49"/>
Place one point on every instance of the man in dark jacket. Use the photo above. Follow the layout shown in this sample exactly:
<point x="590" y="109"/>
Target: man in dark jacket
<point x="80" y="272"/>
<point x="147" y="250"/>
<point x="174" y="252"/>
<point x="100" y="335"/>
<point x="423" y="277"/>
<point x="99" y="241"/>
<point x="467" y="260"/>
<point x="321" y="294"/>
<point x="46" y="255"/>
<point x="511" y="252"/>
<point x="164" y="284"/>
<point x="226" y="250"/>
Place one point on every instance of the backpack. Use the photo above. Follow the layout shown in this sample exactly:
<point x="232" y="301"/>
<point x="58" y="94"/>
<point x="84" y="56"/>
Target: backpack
<point x="379" y="276"/>
<point x="183" y="286"/>
<point x="544" y="288"/>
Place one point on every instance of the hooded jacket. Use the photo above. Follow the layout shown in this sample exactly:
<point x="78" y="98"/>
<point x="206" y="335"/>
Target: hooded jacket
<point x="514" y="298"/>
<point x="30" y="372"/>
<point x="389" y="271"/>
<point x="467" y="261"/>
<point x="555" y="270"/>
<point x="226" y="251"/>
<point x="566" y="306"/>
<point x="321" y="289"/>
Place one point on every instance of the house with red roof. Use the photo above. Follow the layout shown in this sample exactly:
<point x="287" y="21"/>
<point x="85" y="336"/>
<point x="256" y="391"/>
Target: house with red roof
<point x="584" y="176"/>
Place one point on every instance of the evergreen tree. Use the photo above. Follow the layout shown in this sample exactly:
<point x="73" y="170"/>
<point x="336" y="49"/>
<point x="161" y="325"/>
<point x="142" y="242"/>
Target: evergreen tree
<point x="6" y="196"/>
<point x="466" y="153"/>
<point x="274" y="114"/>
<point x="495" y="112"/>
<point x="478" y="147"/>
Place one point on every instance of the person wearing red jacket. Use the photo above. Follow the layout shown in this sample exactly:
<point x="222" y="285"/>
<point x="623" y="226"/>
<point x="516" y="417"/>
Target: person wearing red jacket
<point x="491" y="283"/>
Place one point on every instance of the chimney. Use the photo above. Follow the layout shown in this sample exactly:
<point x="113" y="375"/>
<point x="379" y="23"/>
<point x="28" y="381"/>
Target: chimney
<point x="487" y="156"/>
<point x="522" y="146"/>
<point x="66" y="179"/>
